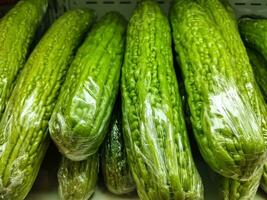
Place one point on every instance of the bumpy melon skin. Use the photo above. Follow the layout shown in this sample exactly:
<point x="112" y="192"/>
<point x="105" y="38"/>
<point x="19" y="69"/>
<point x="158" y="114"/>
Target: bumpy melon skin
<point x="114" y="166"/>
<point x="17" y="29"/>
<point x="23" y="127"/>
<point x="77" y="179"/>
<point x="227" y="111"/>
<point x="155" y="135"/>
<point x="254" y="33"/>
<point x="241" y="190"/>
<point x="81" y="117"/>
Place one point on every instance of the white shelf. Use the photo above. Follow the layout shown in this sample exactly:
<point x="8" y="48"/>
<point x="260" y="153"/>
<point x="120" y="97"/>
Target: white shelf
<point x="103" y="195"/>
<point x="126" y="7"/>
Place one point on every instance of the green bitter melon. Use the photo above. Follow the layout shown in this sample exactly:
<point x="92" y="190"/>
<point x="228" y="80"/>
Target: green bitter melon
<point x="254" y="33"/>
<point x="23" y="127"/>
<point x="154" y="129"/>
<point x="17" y="29"/>
<point x="80" y="120"/>
<point x="114" y="166"/>
<point x="77" y="179"/>
<point x="241" y="190"/>
<point x="227" y="112"/>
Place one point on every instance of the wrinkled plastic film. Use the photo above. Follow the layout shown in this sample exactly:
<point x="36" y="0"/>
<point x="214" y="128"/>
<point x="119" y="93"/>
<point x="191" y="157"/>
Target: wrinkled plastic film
<point x="78" y="133"/>
<point x="158" y="165"/>
<point x="78" y="179"/>
<point x="23" y="127"/>
<point x="80" y="120"/>
<point x="239" y="190"/>
<point x="18" y="28"/>
<point x="225" y="19"/>
<point x="259" y="65"/>
<point x="22" y="167"/>
<point x="227" y="112"/>
<point x="254" y="32"/>
<point x="114" y="165"/>
<point x="155" y="136"/>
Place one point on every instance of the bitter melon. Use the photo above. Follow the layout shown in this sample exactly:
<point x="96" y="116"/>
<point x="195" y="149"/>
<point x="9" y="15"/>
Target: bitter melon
<point x="77" y="179"/>
<point x="114" y="166"/>
<point x="80" y="120"/>
<point x="17" y="29"/>
<point x="227" y="111"/>
<point x="260" y="70"/>
<point x="254" y="32"/>
<point x="241" y="190"/>
<point x="154" y="129"/>
<point x="259" y="65"/>
<point x="23" y="127"/>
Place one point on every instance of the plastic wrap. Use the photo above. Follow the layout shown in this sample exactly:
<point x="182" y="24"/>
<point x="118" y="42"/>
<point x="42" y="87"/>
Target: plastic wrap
<point x="115" y="169"/>
<point x="77" y="179"/>
<point x="17" y="29"/>
<point x="254" y="33"/>
<point x="241" y="190"/>
<point x="155" y="135"/>
<point x="80" y="120"/>
<point x="228" y="114"/>
<point x="23" y="127"/>
<point x="260" y="70"/>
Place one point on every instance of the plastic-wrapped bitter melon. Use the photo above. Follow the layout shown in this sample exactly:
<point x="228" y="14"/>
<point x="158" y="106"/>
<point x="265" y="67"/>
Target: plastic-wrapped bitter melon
<point x="80" y="120"/>
<point x="114" y="166"/>
<point x="23" y="127"/>
<point x="77" y="179"/>
<point x="259" y="65"/>
<point x="17" y="29"/>
<point x="227" y="110"/>
<point x="241" y="190"/>
<point x="156" y="140"/>
<point x="254" y="34"/>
